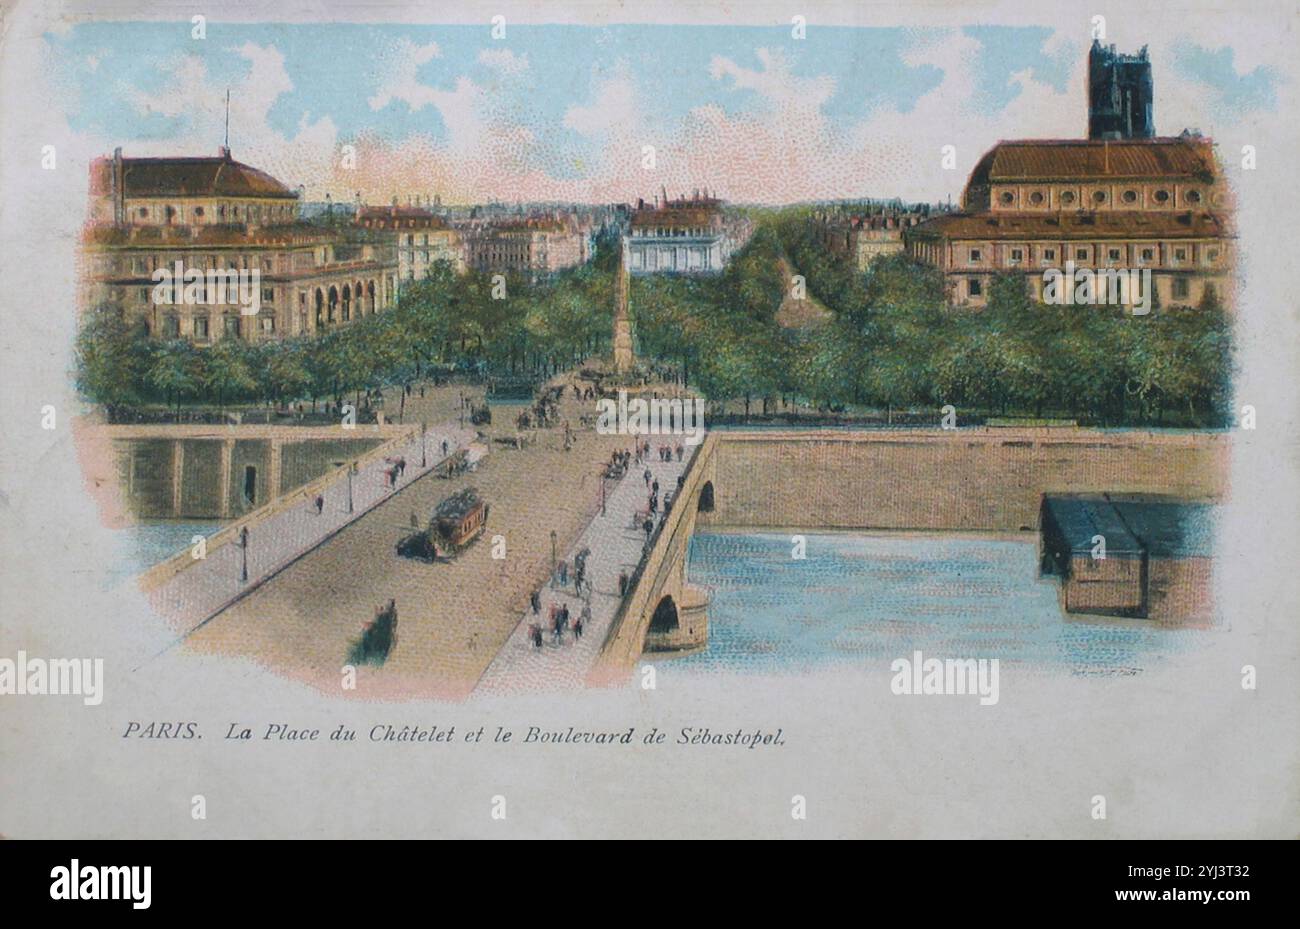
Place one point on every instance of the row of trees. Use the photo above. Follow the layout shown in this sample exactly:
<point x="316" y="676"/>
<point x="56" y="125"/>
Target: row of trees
<point x="721" y="331"/>
<point x="893" y="344"/>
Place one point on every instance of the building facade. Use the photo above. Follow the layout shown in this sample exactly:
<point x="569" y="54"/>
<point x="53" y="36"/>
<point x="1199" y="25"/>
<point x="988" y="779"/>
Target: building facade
<point x="682" y="236"/>
<point x="213" y="233"/>
<point x="533" y="245"/>
<point x="1158" y="205"/>
<point x="419" y="237"/>
<point x="863" y="237"/>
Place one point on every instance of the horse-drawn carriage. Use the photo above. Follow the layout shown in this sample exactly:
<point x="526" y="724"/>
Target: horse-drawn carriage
<point x="455" y="463"/>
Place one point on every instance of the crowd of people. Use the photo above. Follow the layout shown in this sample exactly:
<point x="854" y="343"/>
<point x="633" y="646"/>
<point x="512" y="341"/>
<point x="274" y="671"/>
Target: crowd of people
<point x="554" y="616"/>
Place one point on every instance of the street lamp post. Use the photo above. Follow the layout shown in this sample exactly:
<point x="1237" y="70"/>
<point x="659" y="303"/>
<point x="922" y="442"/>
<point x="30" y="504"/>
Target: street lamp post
<point x="424" y="461"/>
<point x="243" y="545"/>
<point x="351" y="470"/>
<point x="602" y="494"/>
<point x="552" y="557"/>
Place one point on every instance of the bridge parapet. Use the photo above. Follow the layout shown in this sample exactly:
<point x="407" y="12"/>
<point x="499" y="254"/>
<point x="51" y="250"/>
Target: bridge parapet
<point x="660" y="577"/>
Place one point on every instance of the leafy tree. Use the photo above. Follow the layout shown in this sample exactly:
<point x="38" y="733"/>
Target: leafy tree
<point x="109" y="358"/>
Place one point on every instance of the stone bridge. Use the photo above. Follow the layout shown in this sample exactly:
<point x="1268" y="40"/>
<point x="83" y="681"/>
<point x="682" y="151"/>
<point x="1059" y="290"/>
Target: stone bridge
<point x="663" y="612"/>
<point x="983" y="479"/>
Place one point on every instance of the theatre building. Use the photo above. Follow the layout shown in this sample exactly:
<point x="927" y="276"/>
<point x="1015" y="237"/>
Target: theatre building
<point x="222" y="219"/>
<point x="1158" y="205"/>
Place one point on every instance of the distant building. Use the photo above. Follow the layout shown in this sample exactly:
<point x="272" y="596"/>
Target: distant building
<point x="682" y="236"/>
<point x="216" y="217"/>
<point x="1159" y="204"/>
<point x="1120" y="94"/>
<point x="862" y="237"/>
<point x="419" y="236"/>
<point x="532" y="245"/>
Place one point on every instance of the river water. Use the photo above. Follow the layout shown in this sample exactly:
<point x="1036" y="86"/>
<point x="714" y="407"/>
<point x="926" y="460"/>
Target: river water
<point x="146" y="543"/>
<point x="858" y="598"/>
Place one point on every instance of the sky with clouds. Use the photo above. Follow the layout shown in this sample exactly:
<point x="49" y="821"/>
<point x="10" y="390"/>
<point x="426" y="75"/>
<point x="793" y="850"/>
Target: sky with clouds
<point x="564" y="111"/>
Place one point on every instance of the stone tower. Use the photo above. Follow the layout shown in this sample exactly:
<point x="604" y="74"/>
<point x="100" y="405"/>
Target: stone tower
<point x="622" y="323"/>
<point x="1120" y="94"/>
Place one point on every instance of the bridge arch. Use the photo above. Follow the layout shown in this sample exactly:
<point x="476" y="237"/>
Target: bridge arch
<point x="665" y="617"/>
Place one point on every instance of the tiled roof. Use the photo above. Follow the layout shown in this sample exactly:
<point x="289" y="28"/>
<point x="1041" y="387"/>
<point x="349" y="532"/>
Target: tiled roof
<point x="1128" y="224"/>
<point x="187" y="177"/>
<point x="395" y="217"/>
<point x="1082" y="159"/>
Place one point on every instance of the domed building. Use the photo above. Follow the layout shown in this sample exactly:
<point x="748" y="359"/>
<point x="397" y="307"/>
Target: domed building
<point x="204" y="248"/>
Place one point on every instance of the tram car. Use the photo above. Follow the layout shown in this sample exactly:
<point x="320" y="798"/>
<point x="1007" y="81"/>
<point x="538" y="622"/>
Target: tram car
<point x="459" y="520"/>
<point x="455" y="524"/>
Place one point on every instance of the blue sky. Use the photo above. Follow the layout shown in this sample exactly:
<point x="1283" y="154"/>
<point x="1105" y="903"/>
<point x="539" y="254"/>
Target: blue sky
<point x="555" y="103"/>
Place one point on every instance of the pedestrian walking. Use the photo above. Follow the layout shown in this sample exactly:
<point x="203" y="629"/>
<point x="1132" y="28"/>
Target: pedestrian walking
<point x="564" y="573"/>
<point x="679" y="451"/>
<point x="444" y="448"/>
<point x="647" y="476"/>
<point x="320" y="504"/>
<point x="535" y="632"/>
<point x="654" y="487"/>
<point x="622" y="583"/>
<point x="648" y="526"/>
<point x="536" y="602"/>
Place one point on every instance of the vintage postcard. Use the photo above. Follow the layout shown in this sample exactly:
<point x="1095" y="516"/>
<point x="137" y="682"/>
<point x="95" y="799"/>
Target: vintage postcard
<point x="616" y="420"/>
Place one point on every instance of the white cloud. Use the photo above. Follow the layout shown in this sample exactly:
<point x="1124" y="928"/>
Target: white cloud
<point x="503" y="60"/>
<point x="401" y="82"/>
<point x="613" y="107"/>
